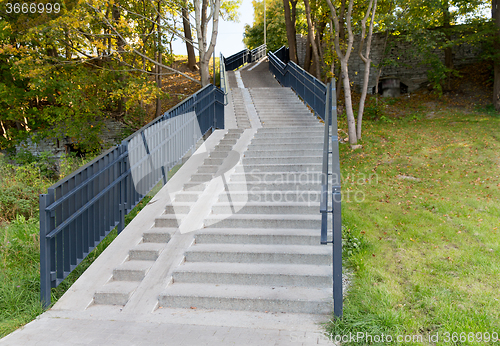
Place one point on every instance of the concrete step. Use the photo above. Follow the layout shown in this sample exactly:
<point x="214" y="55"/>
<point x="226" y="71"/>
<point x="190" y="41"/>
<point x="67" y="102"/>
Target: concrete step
<point x="312" y="197"/>
<point x="167" y="220"/>
<point x="263" y="221"/>
<point x="280" y="152"/>
<point x="187" y="196"/>
<point x="231" y="135"/>
<point x="178" y="208"/>
<point x="196" y="186"/>
<point x="254" y="274"/>
<point x="240" y="131"/>
<point x="286" y="140"/>
<point x="283" y="167"/>
<point x="256" y="253"/>
<point x="202" y="177"/>
<point x="213" y="162"/>
<point x="309" y="129"/>
<point x="247" y="298"/>
<point x="115" y="293"/>
<point x="264" y="236"/>
<point x="218" y="154"/>
<point x="298" y="123"/>
<point x="282" y="160"/>
<point x="132" y="270"/>
<point x="158" y="235"/>
<point x="208" y="169"/>
<point x="255" y="186"/>
<point x="227" y="141"/>
<point x="146" y="252"/>
<point x="278" y="177"/>
<point x="266" y="208"/>
<point x="295" y="146"/>
<point x="224" y="147"/>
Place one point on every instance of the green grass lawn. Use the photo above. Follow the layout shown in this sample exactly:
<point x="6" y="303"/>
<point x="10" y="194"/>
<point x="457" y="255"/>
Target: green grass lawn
<point x="20" y="267"/>
<point x="424" y="194"/>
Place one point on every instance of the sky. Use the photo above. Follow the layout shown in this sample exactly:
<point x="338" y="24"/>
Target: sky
<point x="230" y="37"/>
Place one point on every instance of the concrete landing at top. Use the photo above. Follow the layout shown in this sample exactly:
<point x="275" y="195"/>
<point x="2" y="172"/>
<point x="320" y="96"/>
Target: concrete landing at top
<point x="254" y="75"/>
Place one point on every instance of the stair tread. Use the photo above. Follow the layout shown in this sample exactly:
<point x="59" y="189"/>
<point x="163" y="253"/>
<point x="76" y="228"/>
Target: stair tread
<point x="262" y="248"/>
<point x="135" y="265"/>
<point x="256" y="268"/>
<point x="261" y="231"/>
<point x="248" y="292"/>
<point x="118" y="287"/>
<point x="266" y="216"/>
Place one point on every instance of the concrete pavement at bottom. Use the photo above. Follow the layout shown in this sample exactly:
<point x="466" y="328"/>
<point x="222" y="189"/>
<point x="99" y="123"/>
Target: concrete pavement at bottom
<point x="108" y="325"/>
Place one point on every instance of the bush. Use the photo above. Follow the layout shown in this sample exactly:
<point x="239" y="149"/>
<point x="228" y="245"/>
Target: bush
<point x="19" y="189"/>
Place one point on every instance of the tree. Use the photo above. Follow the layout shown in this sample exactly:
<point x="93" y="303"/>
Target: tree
<point x="202" y="18"/>
<point x="344" y="58"/>
<point x="495" y="15"/>
<point x="290" y="28"/>
<point x="366" y="59"/>
<point x="189" y="38"/>
<point x="276" y="27"/>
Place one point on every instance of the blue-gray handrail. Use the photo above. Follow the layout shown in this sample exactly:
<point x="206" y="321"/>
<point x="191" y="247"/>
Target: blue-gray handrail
<point x="245" y="56"/>
<point x="309" y="88"/>
<point x="78" y="211"/>
<point x="331" y="138"/>
<point x="322" y="99"/>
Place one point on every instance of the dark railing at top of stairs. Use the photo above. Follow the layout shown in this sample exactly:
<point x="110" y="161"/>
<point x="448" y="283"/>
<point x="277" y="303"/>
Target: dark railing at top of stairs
<point x="78" y="211"/>
<point x="322" y="99"/>
<point x="245" y="56"/>
<point x="289" y="74"/>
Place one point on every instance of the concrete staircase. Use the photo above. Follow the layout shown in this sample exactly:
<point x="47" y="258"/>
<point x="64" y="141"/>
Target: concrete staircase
<point x="279" y="107"/>
<point x="128" y="275"/>
<point x="266" y="256"/>
<point x="258" y="249"/>
<point x="240" y="110"/>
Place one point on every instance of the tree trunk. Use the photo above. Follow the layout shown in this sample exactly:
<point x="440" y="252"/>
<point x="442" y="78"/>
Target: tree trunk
<point x="293" y="18"/>
<point x="189" y="39"/>
<point x="307" y="60"/>
<point x="351" y="122"/>
<point x="344" y="59"/>
<point x="202" y="20"/>
<point x="159" y="59"/>
<point x="366" y="59"/>
<point x="115" y="13"/>
<point x="342" y="41"/>
<point x="310" y="28"/>
<point x="448" y="53"/>
<point x="290" y="32"/>
<point x="495" y="15"/>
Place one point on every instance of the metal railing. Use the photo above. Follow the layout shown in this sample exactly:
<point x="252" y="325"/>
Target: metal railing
<point x="224" y="83"/>
<point x="77" y="212"/>
<point x="309" y="88"/>
<point x="245" y="56"/>
<point x="237" y="60"/>
<point x="322" y="99"/>
<point x="258" y="53"/>
<point x="331" y="138"/>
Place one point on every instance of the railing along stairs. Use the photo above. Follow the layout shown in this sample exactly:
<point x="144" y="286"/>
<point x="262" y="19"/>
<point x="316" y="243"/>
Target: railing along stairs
<point x="322" y="99"/>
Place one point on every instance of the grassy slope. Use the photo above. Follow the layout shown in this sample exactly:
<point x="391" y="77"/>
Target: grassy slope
<point x="20" y="268"/>
<point x="433" y="260"/>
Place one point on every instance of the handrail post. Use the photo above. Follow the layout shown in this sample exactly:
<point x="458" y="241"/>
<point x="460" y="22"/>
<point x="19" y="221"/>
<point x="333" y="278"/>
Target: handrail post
<point x="324" y="176"/>
<point x="45" y="249"/>
<point x="336" y="208"/>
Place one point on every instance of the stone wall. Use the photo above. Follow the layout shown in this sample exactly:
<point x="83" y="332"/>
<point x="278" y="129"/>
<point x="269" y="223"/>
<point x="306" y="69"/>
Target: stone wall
<point x="110" y="133"/>
<point x="410" y="69"/>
